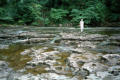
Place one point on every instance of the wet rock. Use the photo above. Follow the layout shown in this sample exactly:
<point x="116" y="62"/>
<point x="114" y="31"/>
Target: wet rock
<point x="19" y="32"/>
<point x="95" y="37"/>
<point x="27" y="51"/>
<point x="77" y="60"/>
<point x="111" y="43"/>
<point x="31" y="40"/>
<point x="21" y="70"/>
<point x="37" y="51"/>
<point x="115" y="37"/>
<point x="115" y="70"/>
<point x="69" y="36"/>
<point x="3" y="79"/>
<point x="56" y="39"/>
<point x="5" y="36"/>
<point x="35" y="35"/>
<point x="3" y="64"/>
<point x="89" y="37"/>
<point x="44" y="76"/>
<point x="102" y="60"/>
<point x="28" y="77"/>
<point x="37" y="40"/>
<point x="40" y="57"/>
<point x="113" y="59"/>
<point x="20" y="41"/>
<point x="78" y="50"/>
<point x="112" y="78"/>
<point x="25" y="34"/>
<point x="81" y="62"/>
<point x="8" y="69"/>
<point x="87" y="44"/>
<point x="4" y="74"/>
<point x="92" y="77"/>
<point x="81" y="72"/>
<point x="18" y="76"/>
<point x="72" y="62"/>
<point x="58" y="68"/>
<point x="70" y="49"/>
<point x="4" y="46"/>
<point x="53" y="76"/>
<point x="64" y="48"/>
<point x="93" y="67"/>
<point x="4" y="70"/>
<point x="102" y="75"/>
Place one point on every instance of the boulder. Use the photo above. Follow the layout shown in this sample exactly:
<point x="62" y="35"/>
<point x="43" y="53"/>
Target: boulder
<point x="103" y="75"/>
<point x="115" y="70"/>
<point x="93" y="67"/>
<point x="113" y="59"/>
<point x="3" y="64"/>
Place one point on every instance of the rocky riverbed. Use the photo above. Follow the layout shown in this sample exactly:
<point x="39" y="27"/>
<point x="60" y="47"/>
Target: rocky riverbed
<point x="37" y="53"/>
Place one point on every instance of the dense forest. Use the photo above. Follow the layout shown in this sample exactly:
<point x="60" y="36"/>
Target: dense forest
<point x="60" y="12"/>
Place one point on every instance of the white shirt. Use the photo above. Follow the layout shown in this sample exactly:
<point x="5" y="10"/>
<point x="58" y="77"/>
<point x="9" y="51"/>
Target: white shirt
<point x="81" y="25"/>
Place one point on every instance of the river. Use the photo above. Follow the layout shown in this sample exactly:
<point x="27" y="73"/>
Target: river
<point x="59" y="53"/>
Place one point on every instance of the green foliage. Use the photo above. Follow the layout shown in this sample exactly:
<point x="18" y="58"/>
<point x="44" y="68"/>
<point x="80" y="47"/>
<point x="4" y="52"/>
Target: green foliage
<point x="86" y="14"/>
<point x="5" y="15"/>
<point x="94" y="11"/>
<point x="46" y="12"/>
<point x="57" y="15"/>
<point x="29" y="11"/>
<point x="114" y="10"/>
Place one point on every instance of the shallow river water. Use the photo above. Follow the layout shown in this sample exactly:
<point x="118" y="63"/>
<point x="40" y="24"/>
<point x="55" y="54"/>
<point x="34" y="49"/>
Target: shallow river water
<point x="51" y="53"/>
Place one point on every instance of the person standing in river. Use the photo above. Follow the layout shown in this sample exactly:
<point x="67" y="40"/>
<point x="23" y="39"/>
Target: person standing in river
<point x="82" y="25"/>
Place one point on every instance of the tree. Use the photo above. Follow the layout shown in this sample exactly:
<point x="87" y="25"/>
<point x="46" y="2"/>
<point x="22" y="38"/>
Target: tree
<point x="30" y="12"/>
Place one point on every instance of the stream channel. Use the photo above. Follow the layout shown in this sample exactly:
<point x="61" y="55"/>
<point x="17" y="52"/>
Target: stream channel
<point x="63" y="53"/>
